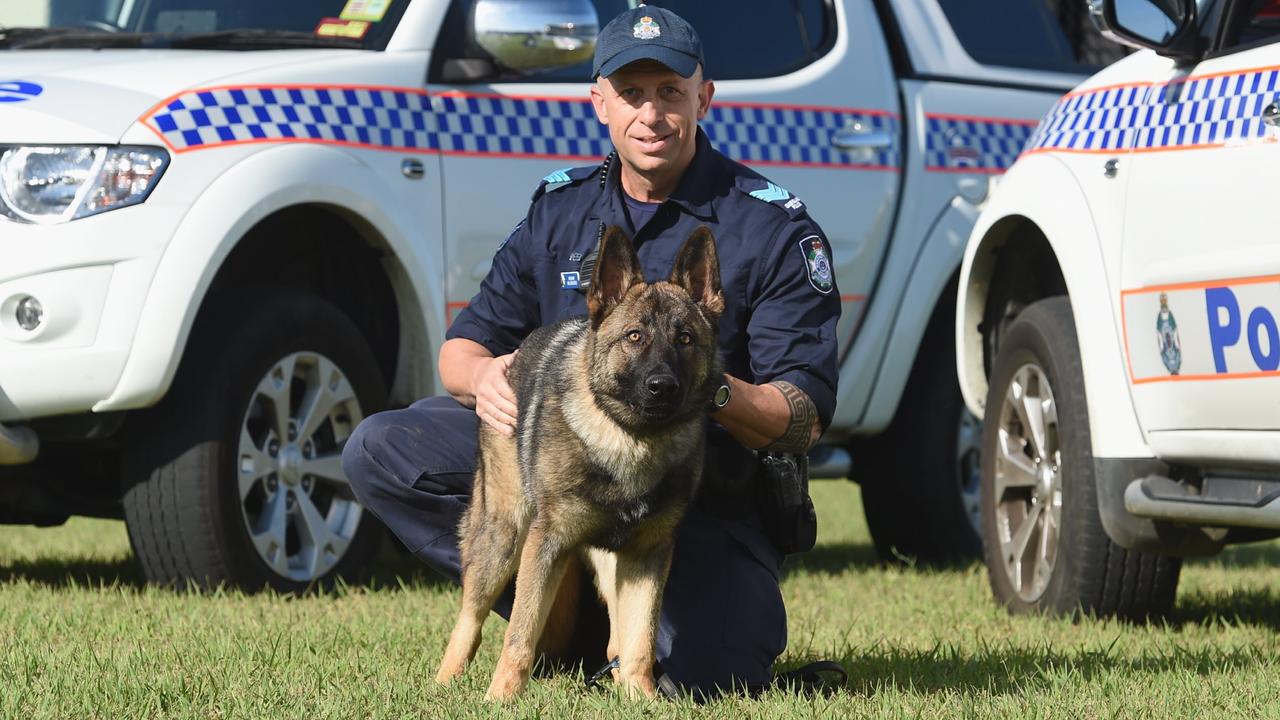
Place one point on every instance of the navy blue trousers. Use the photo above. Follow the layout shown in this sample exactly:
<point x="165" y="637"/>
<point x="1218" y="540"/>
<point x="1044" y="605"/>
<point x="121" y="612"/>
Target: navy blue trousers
<point x="722" y="622"/>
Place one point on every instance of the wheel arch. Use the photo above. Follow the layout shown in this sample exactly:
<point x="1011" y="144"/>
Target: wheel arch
<point x="1038" y="239"/>
<point x="334" y="254"/>
<point x="318" y="201"/>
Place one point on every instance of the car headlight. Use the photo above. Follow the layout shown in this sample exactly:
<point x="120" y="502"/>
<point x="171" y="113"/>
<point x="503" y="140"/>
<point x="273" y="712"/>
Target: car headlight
<point x="57" y="183"/>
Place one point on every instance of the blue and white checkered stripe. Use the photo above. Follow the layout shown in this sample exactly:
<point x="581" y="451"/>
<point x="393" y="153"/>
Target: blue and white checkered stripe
<point x="801" y="136"/>
<point x="498" y="125"/>
<point x="1198" y="112"/>
<point x="568" y="127"/>
<point x="1208" y="111"/>
<point x="407" y="119"/>
<point x="1095" y="121"/>
<point x="981" y="144"/>
<point x="376" y="117"/>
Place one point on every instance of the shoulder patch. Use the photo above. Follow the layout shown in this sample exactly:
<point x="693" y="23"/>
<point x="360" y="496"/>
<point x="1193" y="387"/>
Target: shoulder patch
<point x="817" y="263"/>
<point x="775" y="195"/>
<point x="563" y="178"/>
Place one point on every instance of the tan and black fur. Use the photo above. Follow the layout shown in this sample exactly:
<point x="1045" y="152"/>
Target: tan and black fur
<point x="606" y="458"/>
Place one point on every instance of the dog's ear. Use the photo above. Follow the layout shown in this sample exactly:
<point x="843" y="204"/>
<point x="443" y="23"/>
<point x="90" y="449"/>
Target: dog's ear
<point x="697" y="270"/>
<point x="617" y="269"/>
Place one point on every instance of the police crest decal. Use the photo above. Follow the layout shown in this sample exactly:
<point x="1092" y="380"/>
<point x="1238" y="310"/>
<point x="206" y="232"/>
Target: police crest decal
<point x="818" y="263"/>
<point x="646" y="29"/>
<point x="1167" y="337"/>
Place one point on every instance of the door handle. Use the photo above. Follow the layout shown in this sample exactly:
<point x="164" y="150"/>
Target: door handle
<point x="856" y="136"/>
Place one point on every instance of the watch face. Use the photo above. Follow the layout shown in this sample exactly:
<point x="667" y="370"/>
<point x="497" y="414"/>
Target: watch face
<point x="722" y="396"/>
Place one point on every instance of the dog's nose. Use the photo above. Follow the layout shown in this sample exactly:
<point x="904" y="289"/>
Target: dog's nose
<point x="662" y="386"/>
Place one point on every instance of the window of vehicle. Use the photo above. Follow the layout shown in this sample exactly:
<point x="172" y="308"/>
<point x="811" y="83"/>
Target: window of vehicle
<point x="199" y="24"/>
<point x="1054" y="35"/>
<point x="734" y="37"/>
<point x="1250" y="24"/>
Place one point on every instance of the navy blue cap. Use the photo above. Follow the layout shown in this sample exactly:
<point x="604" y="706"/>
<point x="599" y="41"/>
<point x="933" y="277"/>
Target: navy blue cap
<point x="648" y="32"/>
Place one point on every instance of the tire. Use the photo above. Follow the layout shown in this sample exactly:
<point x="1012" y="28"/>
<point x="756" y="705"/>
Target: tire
<point x="289" y="521"/>
<point x="919" y="477"/>
<point x="1044" y="544"/>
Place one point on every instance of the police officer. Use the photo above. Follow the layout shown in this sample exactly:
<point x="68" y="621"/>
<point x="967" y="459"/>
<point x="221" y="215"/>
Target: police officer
<point x="723" y="621"/>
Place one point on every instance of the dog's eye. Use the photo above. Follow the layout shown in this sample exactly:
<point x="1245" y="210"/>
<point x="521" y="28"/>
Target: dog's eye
<point x="685" y="337"/>
<point x="634" y="336"/>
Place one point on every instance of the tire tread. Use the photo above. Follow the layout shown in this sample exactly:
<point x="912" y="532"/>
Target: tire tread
<point x="1105" y="578"/>
<point x="178" y="527"/>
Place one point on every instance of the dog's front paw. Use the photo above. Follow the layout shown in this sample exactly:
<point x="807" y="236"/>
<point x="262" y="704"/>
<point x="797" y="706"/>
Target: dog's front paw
<point x="640" y="682"/>
<point x="506" y="685"/>
<point x="448" y="672"/>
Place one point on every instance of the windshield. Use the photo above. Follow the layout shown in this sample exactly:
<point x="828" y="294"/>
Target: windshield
<point x="209" y="24"/>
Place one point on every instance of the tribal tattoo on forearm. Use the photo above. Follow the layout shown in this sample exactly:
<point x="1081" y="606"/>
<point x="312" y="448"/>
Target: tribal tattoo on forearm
<point x="800" y="433"/>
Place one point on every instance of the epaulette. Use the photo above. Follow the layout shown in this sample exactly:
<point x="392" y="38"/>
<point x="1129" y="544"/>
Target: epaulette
<point x="564" y="178"/>
<point x="767" y="192"/>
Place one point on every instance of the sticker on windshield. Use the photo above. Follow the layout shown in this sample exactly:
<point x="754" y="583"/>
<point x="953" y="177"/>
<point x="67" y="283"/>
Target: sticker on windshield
<point x="12" y="91"/>
<point x="339" y="28"/>
<point x="366" y="10"/>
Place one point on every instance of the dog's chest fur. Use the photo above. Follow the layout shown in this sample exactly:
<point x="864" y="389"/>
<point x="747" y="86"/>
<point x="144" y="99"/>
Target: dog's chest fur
<point x="626" y="478"/>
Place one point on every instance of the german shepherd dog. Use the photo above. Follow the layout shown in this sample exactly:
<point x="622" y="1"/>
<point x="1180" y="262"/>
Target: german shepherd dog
<point x="606" y="458"/>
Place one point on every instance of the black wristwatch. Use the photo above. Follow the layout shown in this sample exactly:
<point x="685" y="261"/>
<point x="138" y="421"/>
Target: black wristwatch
<point x="721" y="397"/>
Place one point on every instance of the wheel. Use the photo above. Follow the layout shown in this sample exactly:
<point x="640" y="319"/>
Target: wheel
<point x="235" y="478"/>
<point x="1044" y="544"/>
<point x="919" y="477"/>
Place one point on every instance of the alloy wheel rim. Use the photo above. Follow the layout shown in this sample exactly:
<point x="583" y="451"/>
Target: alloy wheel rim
<point x="296" y="503"/>
<point x="1028" y="483"/>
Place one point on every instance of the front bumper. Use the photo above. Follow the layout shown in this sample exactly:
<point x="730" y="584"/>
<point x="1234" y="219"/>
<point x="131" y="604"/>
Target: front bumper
<point x="91" y="277"/>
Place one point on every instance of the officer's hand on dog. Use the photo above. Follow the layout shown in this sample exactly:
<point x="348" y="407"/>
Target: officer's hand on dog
<point x="495" y="400"/>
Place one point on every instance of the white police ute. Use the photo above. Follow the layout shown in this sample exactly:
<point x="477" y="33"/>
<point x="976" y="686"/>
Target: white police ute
<point x="1117" y="322"/>
<point x="232" y="229"/>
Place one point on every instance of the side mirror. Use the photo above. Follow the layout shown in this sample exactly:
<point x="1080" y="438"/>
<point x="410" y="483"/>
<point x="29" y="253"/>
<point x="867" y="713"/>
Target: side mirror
<point x="533" y="35"/>
<point x="1166" y="26"/>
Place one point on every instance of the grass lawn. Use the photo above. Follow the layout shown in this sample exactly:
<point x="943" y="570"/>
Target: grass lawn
<point x="81" y="637"/>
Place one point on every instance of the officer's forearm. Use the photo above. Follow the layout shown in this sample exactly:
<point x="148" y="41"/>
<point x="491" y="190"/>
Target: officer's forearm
<point x="775" y="416"/>
<point x="457" y="363"/>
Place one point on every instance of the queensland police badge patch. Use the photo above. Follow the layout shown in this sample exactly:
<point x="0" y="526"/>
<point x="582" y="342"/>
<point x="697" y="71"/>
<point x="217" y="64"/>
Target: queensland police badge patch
<point x="646" y="29"/>
<point x="1167" y="337"/>
<point x="818" y="263"/>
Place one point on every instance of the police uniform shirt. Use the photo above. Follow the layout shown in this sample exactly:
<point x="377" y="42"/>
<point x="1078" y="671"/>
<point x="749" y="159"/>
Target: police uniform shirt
<point x="781" y="302"/>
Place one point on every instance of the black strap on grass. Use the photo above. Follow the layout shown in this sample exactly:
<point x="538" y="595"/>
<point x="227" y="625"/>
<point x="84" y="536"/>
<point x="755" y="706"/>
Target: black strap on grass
<point x="812" y="677"/>
<point x="598" y="675"/>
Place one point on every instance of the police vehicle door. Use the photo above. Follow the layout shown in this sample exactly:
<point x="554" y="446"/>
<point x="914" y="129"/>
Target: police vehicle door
<point x="809" y="107"/>
<point x="1200" y="298"/>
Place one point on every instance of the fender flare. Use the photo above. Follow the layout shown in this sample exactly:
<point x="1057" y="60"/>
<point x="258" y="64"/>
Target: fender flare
<point x="1042" y="190"/>
<point x="278" y="177"/>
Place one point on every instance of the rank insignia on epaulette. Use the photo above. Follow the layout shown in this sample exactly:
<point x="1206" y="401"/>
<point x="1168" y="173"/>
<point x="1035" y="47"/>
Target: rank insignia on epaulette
<point x="557" y="179"/>
<point x="771" y="193"/>
<point x="778" y="195"/>
<point x="818" y="264"/>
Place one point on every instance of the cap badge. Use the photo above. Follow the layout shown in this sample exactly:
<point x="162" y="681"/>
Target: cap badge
<point x="646" y="29"/>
